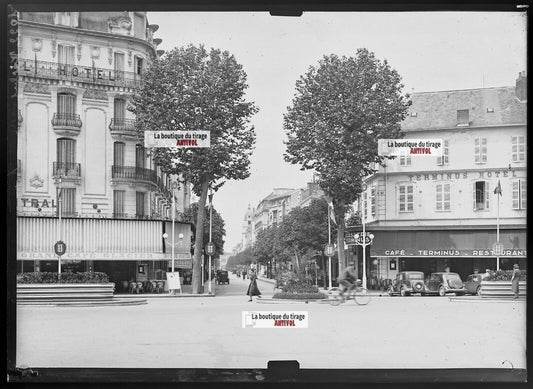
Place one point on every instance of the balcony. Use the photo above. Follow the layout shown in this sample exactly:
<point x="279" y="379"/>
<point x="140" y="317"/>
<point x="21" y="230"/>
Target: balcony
<point x="164" y="191"/>
<point x="78" y="73"/>
<point x="132" y="174"/>
<point x="123" y="129"/>
<point x="66" y="124"/>
<point x="67" y="172"/>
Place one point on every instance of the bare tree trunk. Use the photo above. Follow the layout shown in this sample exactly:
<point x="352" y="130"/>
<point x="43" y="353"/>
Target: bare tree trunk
<point x="198" y="243"/>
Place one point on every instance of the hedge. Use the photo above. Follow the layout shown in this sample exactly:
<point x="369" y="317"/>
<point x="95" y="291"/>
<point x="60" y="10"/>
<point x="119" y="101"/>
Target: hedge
<point x="505" y="275"/>
<point x="66" y="278"/>
<point x="300" y="296"/>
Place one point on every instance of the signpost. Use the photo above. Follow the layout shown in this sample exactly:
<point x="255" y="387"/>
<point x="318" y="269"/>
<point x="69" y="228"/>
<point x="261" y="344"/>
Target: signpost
<point x="497" y="248"/>
<point x="329" y="250"/>
<point x="364" y="240"/>
<point x="60" y="248"/>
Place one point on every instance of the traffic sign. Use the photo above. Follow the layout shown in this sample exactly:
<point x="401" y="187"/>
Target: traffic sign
<point x="497" y="248"/>
<point x="210" y="248"/>
<point x="329" y="250"/>
<point x="367" y="239"/>
<point x="60" y="247"/>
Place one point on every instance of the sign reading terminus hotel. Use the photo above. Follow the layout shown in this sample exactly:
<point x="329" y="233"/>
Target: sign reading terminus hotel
<point x="462" y="175"/>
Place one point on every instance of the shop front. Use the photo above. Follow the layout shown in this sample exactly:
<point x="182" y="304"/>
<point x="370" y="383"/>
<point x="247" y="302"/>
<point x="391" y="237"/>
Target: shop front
<point x="463" y="251"/>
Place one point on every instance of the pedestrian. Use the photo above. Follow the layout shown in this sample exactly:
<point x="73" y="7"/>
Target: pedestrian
<point x="253" y="290"/>
<point x="244" y="274"/>
<point x="486" y="275"/>
<point x="515" y="279"/>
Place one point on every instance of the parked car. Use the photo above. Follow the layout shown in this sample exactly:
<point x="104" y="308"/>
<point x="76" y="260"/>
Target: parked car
<point x="442" y="283"/>
<point x="407" y="283"/>
<point x="222" y="277"/>
<point x="473" y="283"/>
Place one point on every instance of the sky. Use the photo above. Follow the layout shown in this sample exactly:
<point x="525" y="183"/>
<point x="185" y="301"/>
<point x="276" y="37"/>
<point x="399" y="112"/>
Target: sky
<point x="432" y="51"/>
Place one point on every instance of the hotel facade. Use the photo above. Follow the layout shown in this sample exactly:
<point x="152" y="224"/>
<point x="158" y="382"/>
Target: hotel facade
<point x="429" y="212"/>
<point x="83" y="175"/>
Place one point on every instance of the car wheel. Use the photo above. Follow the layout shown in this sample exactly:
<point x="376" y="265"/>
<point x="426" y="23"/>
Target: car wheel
<point x="442" y="292"/>
<point x="478" y="290"/>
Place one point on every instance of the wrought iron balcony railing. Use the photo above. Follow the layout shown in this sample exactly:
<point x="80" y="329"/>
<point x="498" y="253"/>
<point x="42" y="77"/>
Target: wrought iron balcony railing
<point x="125" y="125"/>
<point x="67" y="170"/>
<point x="91" y="74"/>
<point x="134" y="173"/>
<point x="70" y="120"/>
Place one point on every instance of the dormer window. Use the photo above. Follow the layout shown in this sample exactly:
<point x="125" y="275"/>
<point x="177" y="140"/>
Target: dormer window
<point x="414" y="114"/>
<point x="463" y="117"/>
<point x="69" y="19"/>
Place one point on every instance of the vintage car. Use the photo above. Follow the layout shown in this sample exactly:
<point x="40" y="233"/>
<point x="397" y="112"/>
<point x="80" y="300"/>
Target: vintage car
<point x="407" y="283"/>
<point x="442" y="283"/>
<point x="473" y="283"/>
<point x="222" y="277"/>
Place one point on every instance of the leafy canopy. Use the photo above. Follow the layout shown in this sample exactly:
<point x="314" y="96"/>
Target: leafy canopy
<point x="196" y="90"/>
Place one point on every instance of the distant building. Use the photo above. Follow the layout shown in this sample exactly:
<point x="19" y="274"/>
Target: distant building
<point x="78" y="148"/>
<point x="427" y="213"/>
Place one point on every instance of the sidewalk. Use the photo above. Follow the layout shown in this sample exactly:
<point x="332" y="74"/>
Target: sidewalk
<point x="185" y="292"/>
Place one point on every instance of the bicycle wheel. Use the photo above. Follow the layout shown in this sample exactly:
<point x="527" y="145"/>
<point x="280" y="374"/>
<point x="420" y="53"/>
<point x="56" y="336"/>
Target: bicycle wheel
<point x="361" y="296"/>
<point x="334" y="296"/>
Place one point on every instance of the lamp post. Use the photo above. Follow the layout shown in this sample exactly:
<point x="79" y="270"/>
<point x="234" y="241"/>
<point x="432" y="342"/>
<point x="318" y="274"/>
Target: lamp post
<point x="59" y="229"/>
<point x="210" y="233"/>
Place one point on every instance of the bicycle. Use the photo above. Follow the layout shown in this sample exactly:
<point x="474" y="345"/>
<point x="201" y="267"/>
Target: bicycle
<point x="356" y="292"/>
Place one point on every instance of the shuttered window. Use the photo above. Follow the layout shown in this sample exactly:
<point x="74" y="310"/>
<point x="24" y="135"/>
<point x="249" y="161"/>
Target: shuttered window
<point x="519" y="194"/>
<point x="65" y="54"/>
<point x="405" y="198"/>
<point x="66" y="104"/>
<point x="118" y="153"/>
<point x="481" y="195"/>
<point x="518" y="144"/>
<point x="443" y="202"/>
<point x="67" y="198"/>
<point x="140" y="197"/>
<point x="480" y="150"/>
<point x="120" y="109"/>
<point x="118" y="203"/>
<point x="66" y="150"/>
<point x="140" y="156"/>
<point x="444" y="160"/>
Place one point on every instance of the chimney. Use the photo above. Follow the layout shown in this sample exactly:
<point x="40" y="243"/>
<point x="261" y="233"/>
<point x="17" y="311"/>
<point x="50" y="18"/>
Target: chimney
<point x="521" y="86"/>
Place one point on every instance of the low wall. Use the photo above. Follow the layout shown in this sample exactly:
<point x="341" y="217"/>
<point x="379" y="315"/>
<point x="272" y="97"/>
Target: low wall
<point x="64" y="292"/>
<point x="501" y="289"/>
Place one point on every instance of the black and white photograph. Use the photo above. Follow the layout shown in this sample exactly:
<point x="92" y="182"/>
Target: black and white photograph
<point x="321" y="190"/>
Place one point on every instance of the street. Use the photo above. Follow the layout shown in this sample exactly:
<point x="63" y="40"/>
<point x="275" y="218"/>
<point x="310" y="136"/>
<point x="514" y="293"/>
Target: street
<point x="390" y="332"/>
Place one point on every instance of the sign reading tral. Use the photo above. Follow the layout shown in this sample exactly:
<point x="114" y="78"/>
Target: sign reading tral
<point x="178" y="139"/>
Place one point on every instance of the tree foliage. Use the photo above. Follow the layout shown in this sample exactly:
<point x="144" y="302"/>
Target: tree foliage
<point x="193" y="89"/>
<point x="244" y="258"/>
<point x="340" y="109"/>
<point x="218" y="232"/>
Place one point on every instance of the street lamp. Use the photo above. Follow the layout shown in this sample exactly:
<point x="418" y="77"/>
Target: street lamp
<point x="59" y="228"/>
<point x="210" y="233"/>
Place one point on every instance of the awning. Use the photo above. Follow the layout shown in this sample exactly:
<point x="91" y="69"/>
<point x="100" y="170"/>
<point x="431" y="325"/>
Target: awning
<point x="448" y="243"/>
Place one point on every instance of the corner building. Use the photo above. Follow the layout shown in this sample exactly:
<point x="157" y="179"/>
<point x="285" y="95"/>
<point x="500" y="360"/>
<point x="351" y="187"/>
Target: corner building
<point x="429" y="212"/>
<point x="78" y="149"/>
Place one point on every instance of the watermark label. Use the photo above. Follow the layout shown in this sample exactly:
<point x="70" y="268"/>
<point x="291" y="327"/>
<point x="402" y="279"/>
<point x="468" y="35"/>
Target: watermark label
<point x="275" y="319"/>
<point x="178" y="139"/>
<point x="410" y="147"/>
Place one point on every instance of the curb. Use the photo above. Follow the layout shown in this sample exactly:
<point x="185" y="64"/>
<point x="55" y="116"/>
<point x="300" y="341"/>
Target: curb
<point x="165" y="295"/>
<point x="80" y="303"/>
<point x="290" y="301"/>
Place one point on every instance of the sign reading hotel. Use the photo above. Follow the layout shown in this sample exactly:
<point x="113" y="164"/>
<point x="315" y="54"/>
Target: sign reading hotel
<point x="409" y="147"/>
<point x="178" y="139"/>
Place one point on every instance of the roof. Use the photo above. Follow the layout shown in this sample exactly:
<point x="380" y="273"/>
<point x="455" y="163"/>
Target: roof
<point x="437" y="110"/>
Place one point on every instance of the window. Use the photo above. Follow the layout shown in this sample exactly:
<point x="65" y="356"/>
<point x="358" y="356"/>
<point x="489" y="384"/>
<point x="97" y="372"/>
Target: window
<point x="443" y="197"/>
<point x="65" y="55"/>
<point x="462" y="117"/>
<point x="120" y="110"/>
<point x="481" y="195"/>
<point x="444" y="160"/>
<point x="518" y="148"/>
<point x="140" y="204"/>
<point x="140" y="156"/>
<point x="67" y="198"/>
<point x="118" y="203"/>
<point x="66" y="18"/>
<point x="405" y="160"/>
<point x="66" y="104"/>
<point x="519" y="194"/>
<point x="405" y="198"/>
<point x="480" y="150"/>
<point x="373" y="201"/>
<point x="118" y="153"/>
<point x="66" y="150"/>
<point x="139" y="65"/>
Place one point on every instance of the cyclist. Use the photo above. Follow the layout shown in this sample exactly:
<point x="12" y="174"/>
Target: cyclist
<point x="347" y="278"/>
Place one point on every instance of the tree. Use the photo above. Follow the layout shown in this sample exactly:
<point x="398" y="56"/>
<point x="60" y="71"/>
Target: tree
<point x="244" y="258"/>
<point x="218" y="232"/>
<point x="340" y="109"/>
<point x="193" y="89"/>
